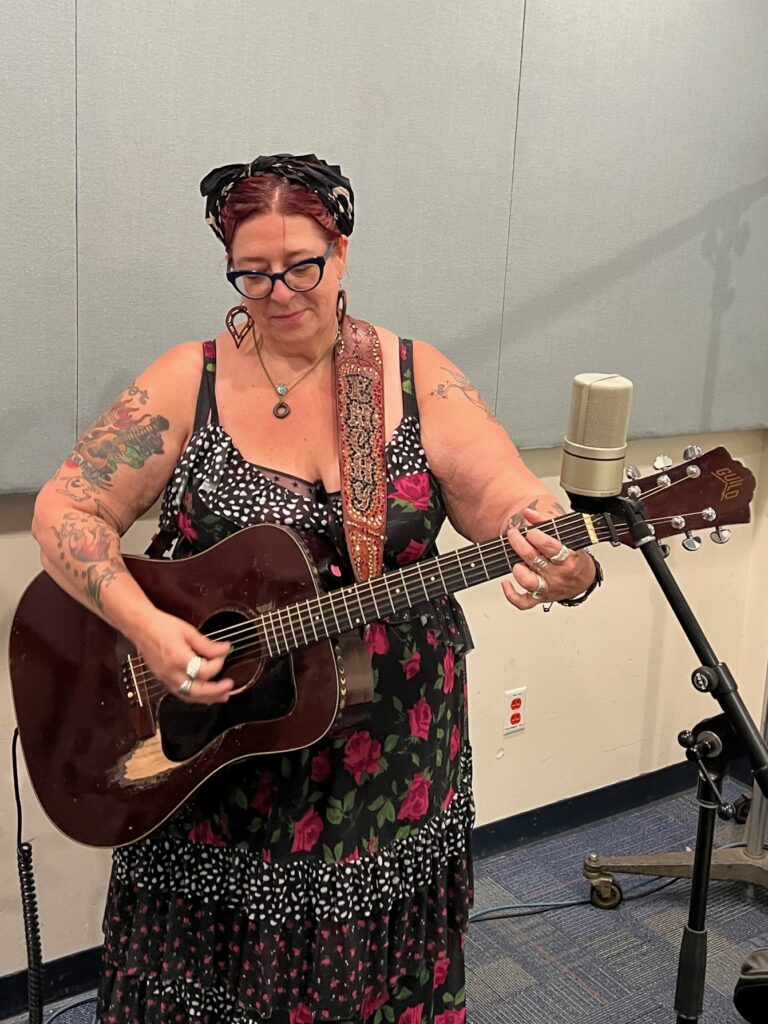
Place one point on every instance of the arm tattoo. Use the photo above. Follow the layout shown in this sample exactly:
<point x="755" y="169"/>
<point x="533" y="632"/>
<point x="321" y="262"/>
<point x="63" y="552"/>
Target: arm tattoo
<point x="78" y="490"/>
<point x="465" y="386"/>
<point x="121" y="436"/>
<point x="519" y="521"/>
<point x="86" y="548"/>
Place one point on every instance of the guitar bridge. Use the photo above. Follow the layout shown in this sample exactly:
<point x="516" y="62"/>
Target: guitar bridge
<point x="131" y="684"/>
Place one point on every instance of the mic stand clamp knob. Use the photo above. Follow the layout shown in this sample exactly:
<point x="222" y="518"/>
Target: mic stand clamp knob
<point x="705" y="679"/>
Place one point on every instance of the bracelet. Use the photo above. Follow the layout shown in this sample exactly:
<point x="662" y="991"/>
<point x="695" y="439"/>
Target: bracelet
<point x="574" y="602"/>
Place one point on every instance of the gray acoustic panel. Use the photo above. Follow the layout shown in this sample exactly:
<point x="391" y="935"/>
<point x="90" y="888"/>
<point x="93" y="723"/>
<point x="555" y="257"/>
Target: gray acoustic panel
<point x="416" y="102"/>
<point x="38" y="328"/>
<point x="639" y="229"/>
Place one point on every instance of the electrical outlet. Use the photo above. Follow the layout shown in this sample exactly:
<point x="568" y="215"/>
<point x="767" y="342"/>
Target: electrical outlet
<point x="514" y="710"/>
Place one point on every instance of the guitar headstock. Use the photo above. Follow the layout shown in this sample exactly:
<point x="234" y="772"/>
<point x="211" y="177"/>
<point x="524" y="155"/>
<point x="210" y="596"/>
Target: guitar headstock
<point x="709" y="490"/>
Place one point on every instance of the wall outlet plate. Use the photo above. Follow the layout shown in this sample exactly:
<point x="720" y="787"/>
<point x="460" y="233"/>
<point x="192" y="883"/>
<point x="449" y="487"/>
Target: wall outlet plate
<point x="515" y="714"/>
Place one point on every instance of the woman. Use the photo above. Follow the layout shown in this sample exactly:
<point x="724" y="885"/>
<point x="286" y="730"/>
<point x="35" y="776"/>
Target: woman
<point x="332" y="883"/>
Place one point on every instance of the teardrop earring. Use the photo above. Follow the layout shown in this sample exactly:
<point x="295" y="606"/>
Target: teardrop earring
<point x="341" y="307"/>
<point x="240" y="331"/>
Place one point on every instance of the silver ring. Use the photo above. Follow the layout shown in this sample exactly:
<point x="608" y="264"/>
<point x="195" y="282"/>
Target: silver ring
<point x="193" y="667"/>
<point x="561" y="555"/>
<point x="186" y="686"/>
<point x="538" y="593"/>
<point x="539" y="563"/>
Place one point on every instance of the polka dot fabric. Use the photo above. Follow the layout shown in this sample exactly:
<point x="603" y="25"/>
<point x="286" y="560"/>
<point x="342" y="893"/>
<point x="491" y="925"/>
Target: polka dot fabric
<point x="332" y="883"/>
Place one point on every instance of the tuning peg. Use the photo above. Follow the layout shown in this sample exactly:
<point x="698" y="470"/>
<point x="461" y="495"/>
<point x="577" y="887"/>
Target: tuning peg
<point x="720" y="535"/>
<point x="691" y="543"/>
<point x="664" y="549"/>
<point x="693" y="451"/>
<point x="662" y="462"/>
<point x="633" y="473"/>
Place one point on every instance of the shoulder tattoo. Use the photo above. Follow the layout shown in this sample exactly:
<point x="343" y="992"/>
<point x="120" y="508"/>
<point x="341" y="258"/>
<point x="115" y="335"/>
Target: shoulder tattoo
<point x="459" y="382"/>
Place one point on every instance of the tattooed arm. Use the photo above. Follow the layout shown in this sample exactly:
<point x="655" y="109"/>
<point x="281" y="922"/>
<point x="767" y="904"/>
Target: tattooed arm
<point x="485" y="483"/>
<point x="114" y="473"/>
<point x="487" y="488"/>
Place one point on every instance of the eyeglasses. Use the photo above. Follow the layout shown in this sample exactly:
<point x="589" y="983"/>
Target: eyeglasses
<point x="299" y="277"/>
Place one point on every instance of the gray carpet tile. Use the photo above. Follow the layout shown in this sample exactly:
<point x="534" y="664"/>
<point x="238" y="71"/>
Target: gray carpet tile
<point x="582" y="965"/>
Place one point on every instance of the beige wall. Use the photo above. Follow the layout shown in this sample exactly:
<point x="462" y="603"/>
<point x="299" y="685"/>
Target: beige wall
<point x="608" y="688"/>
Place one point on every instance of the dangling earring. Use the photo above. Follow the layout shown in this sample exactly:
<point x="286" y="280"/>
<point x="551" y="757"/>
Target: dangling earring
<point x="239" y="332"/>
<point x="341" y="307"/>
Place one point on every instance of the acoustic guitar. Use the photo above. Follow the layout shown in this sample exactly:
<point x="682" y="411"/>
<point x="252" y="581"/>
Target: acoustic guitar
<point x="112" y="754"/>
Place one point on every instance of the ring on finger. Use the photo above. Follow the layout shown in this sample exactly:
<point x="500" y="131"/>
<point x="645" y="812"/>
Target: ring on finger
<point x="541" y="585"/>
<point x="193" y="666"/>
<point x="186" y="686"/>
<point x="561" y="555"/>
<point x="539" y="563"/>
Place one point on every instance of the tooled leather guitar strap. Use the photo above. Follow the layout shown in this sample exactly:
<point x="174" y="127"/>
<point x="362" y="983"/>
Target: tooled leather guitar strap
<point x="362" y="460"/>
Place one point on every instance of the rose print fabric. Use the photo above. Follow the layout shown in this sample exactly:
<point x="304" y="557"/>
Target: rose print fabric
<point x="332" y="883"/>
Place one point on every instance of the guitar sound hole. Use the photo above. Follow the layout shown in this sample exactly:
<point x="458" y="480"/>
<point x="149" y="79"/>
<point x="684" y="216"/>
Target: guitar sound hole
<point x="185" y="729"/>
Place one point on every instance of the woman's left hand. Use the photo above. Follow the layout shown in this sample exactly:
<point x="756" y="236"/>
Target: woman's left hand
<point x="542" y="579"/>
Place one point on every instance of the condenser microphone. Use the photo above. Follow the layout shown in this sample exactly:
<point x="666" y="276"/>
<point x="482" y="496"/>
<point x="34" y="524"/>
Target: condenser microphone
<point x="596" y="441"/>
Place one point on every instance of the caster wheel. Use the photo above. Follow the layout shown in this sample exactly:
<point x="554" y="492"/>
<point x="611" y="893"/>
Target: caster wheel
<point x="609" y="902"/>
<point x="742" y="809"/>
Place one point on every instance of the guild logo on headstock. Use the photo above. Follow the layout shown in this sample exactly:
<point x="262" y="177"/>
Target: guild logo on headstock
<point x="731" y="483"/>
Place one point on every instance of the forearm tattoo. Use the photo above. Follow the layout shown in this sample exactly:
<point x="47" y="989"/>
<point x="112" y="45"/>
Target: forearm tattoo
<point x="465" y="386"/>
<point x="122" y="436"/>
<point x="518" y="519"/>
<point x="88" y="549"/>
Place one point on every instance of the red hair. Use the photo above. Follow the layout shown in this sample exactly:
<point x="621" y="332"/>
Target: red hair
<point x="271" y="194"/>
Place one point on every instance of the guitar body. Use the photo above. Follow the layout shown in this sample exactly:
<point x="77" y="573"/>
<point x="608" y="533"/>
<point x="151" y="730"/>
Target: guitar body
<point x="110" y="752"/>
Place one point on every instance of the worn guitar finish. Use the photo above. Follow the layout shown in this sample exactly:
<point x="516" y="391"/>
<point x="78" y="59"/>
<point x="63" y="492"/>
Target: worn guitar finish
<point x="111" y="753"/>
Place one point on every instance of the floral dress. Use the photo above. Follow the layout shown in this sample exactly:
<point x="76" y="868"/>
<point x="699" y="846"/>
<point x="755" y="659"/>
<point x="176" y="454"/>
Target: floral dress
<point x="332" y="883"/>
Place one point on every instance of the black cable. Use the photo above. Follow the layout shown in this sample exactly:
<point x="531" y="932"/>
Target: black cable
<point x="479" y="916"/>
<point x="28" y="904"/>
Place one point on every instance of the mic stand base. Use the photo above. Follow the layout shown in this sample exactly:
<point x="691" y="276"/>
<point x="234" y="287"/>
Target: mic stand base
<point x="727" y="866"/>
<point x="714" y="677"/>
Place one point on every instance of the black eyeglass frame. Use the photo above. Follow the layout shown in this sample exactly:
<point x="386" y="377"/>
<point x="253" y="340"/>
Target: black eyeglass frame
<point x="318" y="261"/>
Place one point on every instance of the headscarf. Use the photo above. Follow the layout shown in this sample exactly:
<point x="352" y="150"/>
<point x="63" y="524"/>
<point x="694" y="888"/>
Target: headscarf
<point x="309" y="171"/>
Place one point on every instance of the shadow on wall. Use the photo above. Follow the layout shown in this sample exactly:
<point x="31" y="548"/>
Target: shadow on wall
<point x="725" y="237"/>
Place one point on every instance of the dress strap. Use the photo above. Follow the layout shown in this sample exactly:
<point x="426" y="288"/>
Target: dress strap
<point x="206" y="410"/>
<point x="410" y="406"/>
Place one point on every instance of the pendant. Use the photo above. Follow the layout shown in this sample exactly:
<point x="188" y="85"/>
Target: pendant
<point x="281" y="389"/>
<point x="281" y="410"/>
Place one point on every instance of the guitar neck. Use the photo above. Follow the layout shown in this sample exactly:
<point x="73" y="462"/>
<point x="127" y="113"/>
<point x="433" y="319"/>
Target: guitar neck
<point x="351" y="607"/>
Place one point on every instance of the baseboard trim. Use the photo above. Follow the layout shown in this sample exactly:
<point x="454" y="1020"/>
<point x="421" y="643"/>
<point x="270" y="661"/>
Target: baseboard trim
<point x="68" y="976"/>
<point x="77" y="973"/>
<point x="597" y="805"/>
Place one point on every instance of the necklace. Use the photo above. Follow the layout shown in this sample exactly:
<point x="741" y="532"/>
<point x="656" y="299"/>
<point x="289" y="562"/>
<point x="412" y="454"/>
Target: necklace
<point x="282" y="409"/>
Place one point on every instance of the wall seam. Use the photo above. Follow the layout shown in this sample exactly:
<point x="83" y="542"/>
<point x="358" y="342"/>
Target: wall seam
<point x="77" y="240"/>
<point x="511" y="191"/>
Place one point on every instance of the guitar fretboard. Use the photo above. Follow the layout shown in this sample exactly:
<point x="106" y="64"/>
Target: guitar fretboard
<point x="350" y="607"/>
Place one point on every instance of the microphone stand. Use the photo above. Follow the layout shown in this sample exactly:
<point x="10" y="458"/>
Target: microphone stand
<point x="716" y="740"/>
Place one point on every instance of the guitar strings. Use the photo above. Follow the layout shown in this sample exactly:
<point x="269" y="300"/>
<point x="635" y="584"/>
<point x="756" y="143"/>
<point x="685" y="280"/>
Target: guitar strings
<point x="566" y="529"/>
<point x="504" y="557"/>
<point x="258" y="648"/>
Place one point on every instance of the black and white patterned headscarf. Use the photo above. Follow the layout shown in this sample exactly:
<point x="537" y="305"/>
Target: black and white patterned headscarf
<point x="309" y="171"/>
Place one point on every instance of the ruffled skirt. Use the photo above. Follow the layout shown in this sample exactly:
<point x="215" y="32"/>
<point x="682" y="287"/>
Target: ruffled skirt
<point x="219" y="935"/>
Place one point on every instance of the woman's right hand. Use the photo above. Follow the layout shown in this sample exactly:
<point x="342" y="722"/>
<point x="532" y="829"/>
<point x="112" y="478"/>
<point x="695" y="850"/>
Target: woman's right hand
<point x="167" y="644"/>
